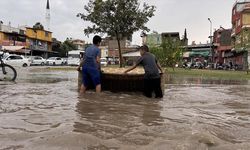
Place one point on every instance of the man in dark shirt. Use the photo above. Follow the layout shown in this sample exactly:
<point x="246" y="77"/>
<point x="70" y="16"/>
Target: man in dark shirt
<point x="152" y="78"/>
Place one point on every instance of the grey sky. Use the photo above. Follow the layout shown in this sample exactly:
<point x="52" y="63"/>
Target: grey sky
<point x="170" y="16"/>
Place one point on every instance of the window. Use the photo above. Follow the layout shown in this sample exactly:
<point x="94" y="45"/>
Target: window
<point x="37" y="58"/>
<point x="238" y="22"/>
<point x="47" y="34"/>
<point x="14" y="57"/>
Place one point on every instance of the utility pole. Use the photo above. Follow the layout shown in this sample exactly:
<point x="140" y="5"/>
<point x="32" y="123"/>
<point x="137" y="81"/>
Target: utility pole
<point x="211" y="37"/>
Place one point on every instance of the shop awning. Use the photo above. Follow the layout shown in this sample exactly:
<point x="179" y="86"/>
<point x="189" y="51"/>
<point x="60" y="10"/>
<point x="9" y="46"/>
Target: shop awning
<point x="186" y="54"/>
<point x="16" y="49"/>
<point x="199" y="53"/>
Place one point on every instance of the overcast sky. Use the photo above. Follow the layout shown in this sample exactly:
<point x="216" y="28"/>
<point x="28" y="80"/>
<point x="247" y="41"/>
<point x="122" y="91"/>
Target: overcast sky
<point x="170" y="16"/>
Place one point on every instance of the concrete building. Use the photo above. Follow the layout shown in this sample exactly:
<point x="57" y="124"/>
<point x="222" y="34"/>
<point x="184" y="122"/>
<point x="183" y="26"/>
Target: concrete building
<point x="111" y="44"/>
<point x="222" y="46"/>
<point x="80" y="44"/>
<point x="156" y="39"/>
<point x="12" y="39"/>
<point x="241" y="33"/>
<point x="153" y="39"/>
<point x="198" y="53"/>
<point x="39" y="41"/>
<point x="104" y="51"/>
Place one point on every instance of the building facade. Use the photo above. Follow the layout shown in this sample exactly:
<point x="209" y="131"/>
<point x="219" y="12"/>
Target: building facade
<point x="13" y="39"/>
<point x="241" y="33"/>
<point x="10" y="36"/>
<point x="80" y="44"/>
<point x="153" y="39"/>
<point x="39" y="41"/>
<point x="199" y="53"/>
<point x="222" y="46"/>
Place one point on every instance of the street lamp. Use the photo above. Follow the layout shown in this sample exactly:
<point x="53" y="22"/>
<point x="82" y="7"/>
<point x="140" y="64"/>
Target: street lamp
<point x="211" y="38"/>
<point x="210" y="30"/>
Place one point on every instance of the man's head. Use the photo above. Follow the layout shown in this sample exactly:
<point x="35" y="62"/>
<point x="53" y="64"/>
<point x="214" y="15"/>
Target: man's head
<point x="97" y="40"/>
<point x="143" y="49"/>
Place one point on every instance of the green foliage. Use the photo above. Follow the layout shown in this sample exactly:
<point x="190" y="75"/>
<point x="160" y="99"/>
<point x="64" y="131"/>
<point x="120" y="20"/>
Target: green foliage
<point x="63" y="48"/>
<point x="38" y="26"/>
<point x="116" y="18"/>
<point x="168" y="53"/>
<point x="209" y="74"/>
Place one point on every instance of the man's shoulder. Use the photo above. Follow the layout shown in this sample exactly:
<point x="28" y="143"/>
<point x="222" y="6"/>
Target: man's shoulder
<point x="93" y="48"/>
<point x="150" y="54"/>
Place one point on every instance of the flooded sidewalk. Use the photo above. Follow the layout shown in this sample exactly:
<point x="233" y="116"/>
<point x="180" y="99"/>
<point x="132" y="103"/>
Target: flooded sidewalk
<point x="43" y="110"/>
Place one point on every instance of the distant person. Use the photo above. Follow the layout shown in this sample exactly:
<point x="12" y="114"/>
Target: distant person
<point x="91" y="66"/>
<point x="152" y="78"/>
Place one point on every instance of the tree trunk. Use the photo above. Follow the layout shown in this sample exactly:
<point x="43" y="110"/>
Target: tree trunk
<point x="119" y="48"/>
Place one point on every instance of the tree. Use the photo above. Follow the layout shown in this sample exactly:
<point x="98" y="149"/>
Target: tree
<point x="38" y="26"/>
<point x="169" y="53"/>
<point x="63" y="48"/>
<point x="117" y="18"/>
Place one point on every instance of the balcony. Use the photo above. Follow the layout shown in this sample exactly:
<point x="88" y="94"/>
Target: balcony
<point x="12" y="43"/>
<point x="39" y="48"/>
<point x="233" y="34"/>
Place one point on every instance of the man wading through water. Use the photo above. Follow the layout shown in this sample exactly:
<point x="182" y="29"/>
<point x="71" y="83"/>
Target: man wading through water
<point x="152" y="78"/>
<point x="91" y="66"/>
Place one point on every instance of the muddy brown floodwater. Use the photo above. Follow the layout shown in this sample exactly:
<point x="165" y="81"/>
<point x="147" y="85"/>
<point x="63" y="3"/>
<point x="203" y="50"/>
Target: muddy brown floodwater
<point x="43" y="111"/>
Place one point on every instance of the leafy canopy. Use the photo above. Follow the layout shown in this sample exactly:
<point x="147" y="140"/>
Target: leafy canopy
<point x="116" y="17"/>
<point x="168" y="53"/>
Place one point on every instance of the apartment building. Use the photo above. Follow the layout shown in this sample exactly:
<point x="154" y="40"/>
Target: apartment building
<point x="241" y="33"/>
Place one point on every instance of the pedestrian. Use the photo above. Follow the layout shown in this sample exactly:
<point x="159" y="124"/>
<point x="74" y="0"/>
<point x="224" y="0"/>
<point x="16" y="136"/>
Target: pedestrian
<point x="152" y="78"/>
<point x="91" y="66"/>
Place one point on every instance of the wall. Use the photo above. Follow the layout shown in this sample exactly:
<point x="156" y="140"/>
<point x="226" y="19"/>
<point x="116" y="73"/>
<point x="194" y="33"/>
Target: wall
<point x="246" y="19"/>
<point x="39" y="34"/>
<point x="154" y="39"/>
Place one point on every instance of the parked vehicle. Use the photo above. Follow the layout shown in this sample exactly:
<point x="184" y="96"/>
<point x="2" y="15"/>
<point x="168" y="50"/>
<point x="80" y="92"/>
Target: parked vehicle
<point x="16" y="60"/>
<point x="104" y="61"/>
<point x="65" y="60"/>
<point x="198" y="65"/>
<point x="54" y="61"/>
<point x="7" y="72"/>
<point x="37" y="60"/>
<point x="74" y="57"/>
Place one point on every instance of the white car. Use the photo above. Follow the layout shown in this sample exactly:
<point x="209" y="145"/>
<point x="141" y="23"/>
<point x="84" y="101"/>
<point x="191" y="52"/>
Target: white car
<point x="37" y="60"/>
<point x="65" y="60"/>
<point x="54" y="61"/>
<point x="73" y="61"/>
<point x="16" y="60"/>
<point x="104" y="61"/>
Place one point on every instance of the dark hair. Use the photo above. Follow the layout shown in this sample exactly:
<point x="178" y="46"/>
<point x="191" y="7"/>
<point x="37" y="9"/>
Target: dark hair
<point x="144" y="48"/>
<point x="97" y="39"/>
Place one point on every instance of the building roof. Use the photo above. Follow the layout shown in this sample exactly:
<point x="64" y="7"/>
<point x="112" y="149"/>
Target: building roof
<point x="171" y="34"/>
<point x="38" y="29"/>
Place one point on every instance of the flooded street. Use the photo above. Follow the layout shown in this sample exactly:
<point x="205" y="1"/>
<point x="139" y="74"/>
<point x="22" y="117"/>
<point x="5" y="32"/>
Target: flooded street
<point x="43" y="111"/>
